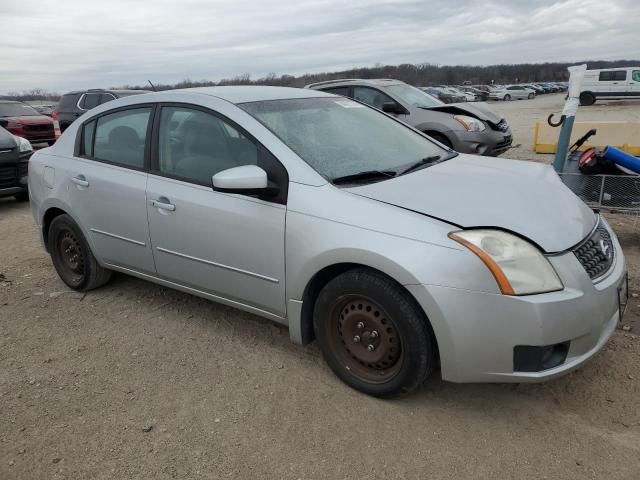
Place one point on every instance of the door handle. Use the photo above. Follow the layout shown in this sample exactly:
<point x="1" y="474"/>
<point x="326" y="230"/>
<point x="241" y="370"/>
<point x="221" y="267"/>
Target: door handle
<point x="163" y="204"/>
<point x="80" y="180"/>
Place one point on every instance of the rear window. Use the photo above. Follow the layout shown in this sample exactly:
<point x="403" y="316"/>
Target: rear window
<point x="616" y="75"/>
<point x="68" y="102"/>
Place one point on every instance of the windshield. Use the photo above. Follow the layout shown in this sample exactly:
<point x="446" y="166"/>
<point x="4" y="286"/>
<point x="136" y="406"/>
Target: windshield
<point x="339" y="137"/>
<point x="17" y="110"/>
<point x="413" y="96"/>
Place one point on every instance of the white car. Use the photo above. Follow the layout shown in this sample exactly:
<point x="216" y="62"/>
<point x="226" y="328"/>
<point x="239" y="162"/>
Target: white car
<point x="610" y="84"/>
<point x="511" y="92"/>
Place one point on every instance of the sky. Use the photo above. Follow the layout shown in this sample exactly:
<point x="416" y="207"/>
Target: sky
<point x="67" y="44"/>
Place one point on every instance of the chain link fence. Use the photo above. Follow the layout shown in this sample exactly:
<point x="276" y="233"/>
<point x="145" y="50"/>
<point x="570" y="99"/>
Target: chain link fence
<point x="609" y="192"/>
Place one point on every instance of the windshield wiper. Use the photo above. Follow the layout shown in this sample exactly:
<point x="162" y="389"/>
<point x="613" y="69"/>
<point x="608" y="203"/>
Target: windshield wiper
<point x="366" y="175"/>
<point x="422" y="162"/>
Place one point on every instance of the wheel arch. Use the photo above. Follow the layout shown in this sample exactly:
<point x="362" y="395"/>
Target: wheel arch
<point x="324" y="276"/>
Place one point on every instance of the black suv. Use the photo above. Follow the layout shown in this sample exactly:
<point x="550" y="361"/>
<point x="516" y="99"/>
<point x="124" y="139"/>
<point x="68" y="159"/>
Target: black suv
<point x="14" y="165"/>
<point x="74" y="104"/>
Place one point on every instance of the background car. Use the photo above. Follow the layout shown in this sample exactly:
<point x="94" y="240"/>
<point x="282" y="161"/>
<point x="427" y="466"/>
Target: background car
<point x="45" y="109"/>
<point x="74" y="104"/>
<point x="466" y="128"/>
<point x="14" y="162"/>
<point x="480" y="95"/>
<point x="25" y="121"/>
<point x="511" y="92"/>
<point x="443" y="96"/>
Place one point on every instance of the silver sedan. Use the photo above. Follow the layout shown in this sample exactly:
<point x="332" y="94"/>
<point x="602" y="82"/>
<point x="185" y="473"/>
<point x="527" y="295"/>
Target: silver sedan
<point x="398" y="255"/>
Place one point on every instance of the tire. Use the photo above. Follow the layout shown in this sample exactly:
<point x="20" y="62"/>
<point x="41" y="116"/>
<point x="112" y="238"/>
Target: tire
<point x="507" y="97"/>
<point x="72" y="257"/>
<point x="440" y="138"/>
<point x="530" y="96"/>
<point x="22" y="196"/>
<point x="373" y="335"/>
<point x="587" y="98"/>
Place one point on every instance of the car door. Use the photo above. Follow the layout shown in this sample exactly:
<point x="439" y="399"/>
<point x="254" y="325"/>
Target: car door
<point x="107" y="186"/>
<point x="613" y="83"/>
<point x="227" y="245"/>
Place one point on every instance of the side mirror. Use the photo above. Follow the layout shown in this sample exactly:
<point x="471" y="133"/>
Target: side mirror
<point x="393" y="107"/>
<point x="247" y="180"/>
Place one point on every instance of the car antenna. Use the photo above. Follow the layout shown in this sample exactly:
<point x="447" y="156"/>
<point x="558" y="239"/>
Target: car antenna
<point x="152" y="86"/>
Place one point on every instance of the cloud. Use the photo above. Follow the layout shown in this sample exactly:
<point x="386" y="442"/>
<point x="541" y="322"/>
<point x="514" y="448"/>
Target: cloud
<point x="81" y="44"/>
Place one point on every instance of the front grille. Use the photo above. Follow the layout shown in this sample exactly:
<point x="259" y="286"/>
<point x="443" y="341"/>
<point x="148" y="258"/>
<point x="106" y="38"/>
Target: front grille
<point x="506" y="143"/>
<point x="23" y="169"/>
<point x="8" y="176"/>
<point x="45" y="127"/>
<point x="596" y="253"/>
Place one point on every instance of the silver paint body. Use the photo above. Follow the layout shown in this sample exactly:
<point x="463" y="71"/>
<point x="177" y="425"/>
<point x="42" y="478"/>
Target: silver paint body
<point x="260" y="256"/>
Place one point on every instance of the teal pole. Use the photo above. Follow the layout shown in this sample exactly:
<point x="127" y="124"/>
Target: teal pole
<point x="563" y="144"/>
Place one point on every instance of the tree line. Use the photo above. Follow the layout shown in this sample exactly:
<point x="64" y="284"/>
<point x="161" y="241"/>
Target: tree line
<point x="423" y="74"/>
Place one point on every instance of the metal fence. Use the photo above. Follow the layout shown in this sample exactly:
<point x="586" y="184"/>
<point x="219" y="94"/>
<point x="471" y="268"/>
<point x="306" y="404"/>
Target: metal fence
<point x="608" y="192"/>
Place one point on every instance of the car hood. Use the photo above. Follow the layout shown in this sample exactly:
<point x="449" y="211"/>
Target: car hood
<point x="468" y="191"/>
<point x="479" y="110"/>
<point x="32" y="119"/>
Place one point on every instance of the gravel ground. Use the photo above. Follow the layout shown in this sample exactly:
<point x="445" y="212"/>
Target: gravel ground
<point x="137" y="381"/>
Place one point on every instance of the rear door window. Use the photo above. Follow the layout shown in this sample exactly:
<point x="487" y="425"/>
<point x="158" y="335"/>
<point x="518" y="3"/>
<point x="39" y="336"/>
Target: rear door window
<point x="613" y="76"/>
<point x="106" y="97"/>
<point x="90" y="100"/>
<point x="344" y="91"/>
<point x="120" y="137"/>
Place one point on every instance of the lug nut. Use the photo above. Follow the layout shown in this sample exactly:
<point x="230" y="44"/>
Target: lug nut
<point x="360" y="325"/>
<point x="371" y="348"/>
<point x="356" y="338"/>
<point x="374" y="334"/>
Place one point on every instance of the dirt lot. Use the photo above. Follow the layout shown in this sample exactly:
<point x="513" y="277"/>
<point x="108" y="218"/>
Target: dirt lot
<point x="137" y="381"/>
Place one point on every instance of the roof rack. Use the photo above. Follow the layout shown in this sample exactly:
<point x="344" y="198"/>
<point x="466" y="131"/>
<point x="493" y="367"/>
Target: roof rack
<point x="338" y="80"/>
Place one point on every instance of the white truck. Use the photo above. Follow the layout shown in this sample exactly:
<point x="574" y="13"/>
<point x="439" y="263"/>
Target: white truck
<point x="610" y="84"/>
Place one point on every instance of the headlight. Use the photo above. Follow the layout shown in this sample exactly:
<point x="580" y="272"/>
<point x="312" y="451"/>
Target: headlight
<point x="23" y="144"/>
<point x="518" y="267"/>
<point x="469" y="123"/>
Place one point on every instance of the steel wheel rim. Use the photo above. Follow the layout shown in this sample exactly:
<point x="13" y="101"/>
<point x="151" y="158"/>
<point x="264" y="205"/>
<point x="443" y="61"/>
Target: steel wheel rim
<point x="365" y="340"/>
<point x="70" y="254"/>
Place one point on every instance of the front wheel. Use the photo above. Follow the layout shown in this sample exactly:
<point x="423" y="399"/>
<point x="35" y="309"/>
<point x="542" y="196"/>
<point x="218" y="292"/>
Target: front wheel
<point x="373" y="335"/>
<point x="530" y="96"/>
<point x="507" y="97"/>
<point x="72" y="257"/>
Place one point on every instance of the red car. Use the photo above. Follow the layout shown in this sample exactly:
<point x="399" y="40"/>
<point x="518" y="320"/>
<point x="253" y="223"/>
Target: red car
<point x="25" y="121"/>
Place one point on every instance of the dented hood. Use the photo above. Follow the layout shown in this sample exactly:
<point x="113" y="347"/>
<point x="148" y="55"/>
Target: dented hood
<point x="472" y="191"/>
<point x="479" y="110"/>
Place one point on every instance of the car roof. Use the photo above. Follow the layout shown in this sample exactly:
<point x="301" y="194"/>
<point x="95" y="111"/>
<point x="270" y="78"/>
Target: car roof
<point x="376" y="82"/>
<point x="252" y="93"/>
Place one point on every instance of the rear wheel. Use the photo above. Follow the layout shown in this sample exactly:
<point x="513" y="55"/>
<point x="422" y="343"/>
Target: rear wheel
<point x="530" y="96"/>
<point x="72" y="257"/>
<point x="587" y="98"/>
<point x="373" y="335"/>
<point x="507" y="97"/>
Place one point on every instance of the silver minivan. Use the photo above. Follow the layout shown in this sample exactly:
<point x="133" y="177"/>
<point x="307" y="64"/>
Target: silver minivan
<point x="345" y="224"/>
